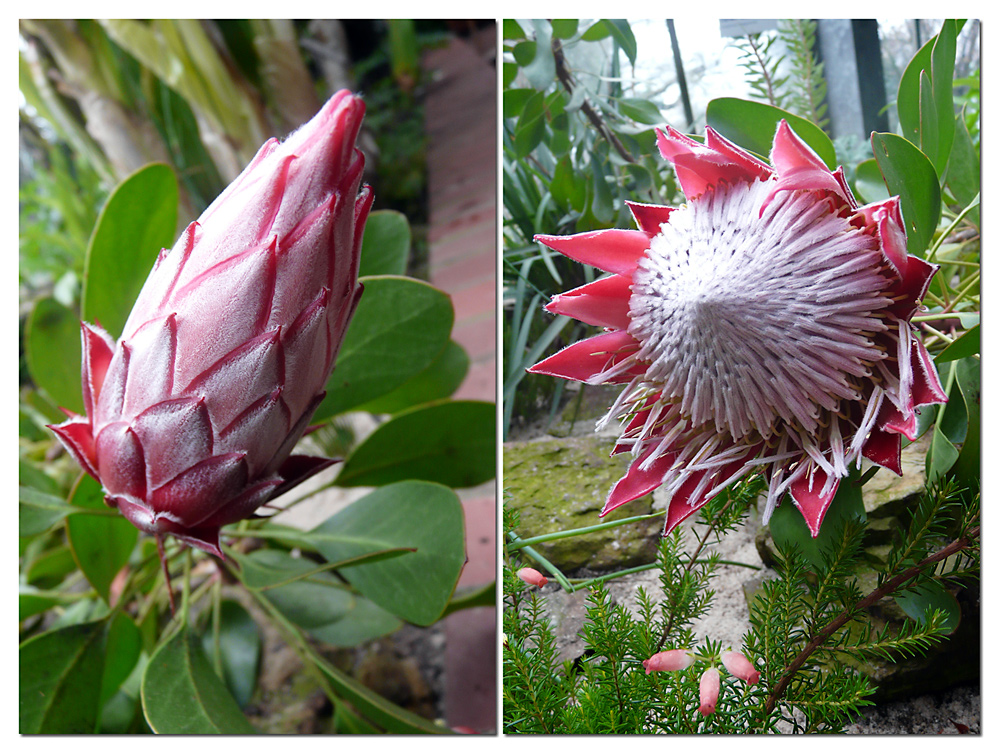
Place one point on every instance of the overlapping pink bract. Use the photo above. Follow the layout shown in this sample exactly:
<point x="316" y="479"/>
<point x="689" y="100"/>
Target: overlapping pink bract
<point x="765" y="325"/>
<point x="191" y="417"/>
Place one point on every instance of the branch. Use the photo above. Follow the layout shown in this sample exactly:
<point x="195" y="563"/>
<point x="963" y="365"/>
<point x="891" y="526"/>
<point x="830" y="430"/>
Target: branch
<point x="566" y="79"/>
<point x="873" y="597"/>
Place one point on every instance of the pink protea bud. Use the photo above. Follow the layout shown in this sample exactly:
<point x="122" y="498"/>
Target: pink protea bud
<point x="532" y="577"/>
<point x="191" y="416"/>
<point x="740" y="666"/>
<point x="708" y="691"/>
<point x="668" y="660"/>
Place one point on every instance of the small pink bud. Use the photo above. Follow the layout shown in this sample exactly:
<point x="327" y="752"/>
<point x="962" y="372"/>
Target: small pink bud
<point x="708" y="691"/>
<point x="668" y="660"/>
<point x="739" y="666"/>
<point x="532" y="577"/>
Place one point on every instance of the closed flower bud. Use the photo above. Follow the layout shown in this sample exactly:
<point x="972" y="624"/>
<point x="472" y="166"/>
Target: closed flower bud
<point x="740" y="666"/>
<point x="191" y="416"/>
<point x="708" y="691"/>
<point x="532" y="577"/>
<point x="668" y="660"/>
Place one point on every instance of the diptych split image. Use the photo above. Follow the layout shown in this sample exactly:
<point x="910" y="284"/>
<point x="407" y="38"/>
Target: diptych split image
<point x="499" y="377"/>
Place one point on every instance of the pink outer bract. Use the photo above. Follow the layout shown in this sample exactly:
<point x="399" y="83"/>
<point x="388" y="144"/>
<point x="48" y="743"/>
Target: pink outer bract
<point x="668" y="660"/>
<point x="765" y="325"/>
<point x="192" y="415"/>
<point x="740" y="666"/>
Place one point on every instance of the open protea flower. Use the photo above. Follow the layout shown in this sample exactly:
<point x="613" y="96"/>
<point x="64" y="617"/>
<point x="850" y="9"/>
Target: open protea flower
<point x="763" y="325"/>
<point x="192" y="415"/>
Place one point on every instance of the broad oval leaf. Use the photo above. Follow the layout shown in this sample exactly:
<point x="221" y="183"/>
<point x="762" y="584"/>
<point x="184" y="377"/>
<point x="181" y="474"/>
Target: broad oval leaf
<point x="60" y="680"/>
<point x="441" y="379"/>
<point x="52" y="350"/>
<point x="752" y="125"/>
<point x="139" y="219"/>
<point x="181" y="693"/>
<point x="421" y="515"/>
<point x="868" y="182"/>
<point x="909" y="174"/>
<point x="124" y="645"/>
<point x="101" y="544"/>
<point x="450" y="442"/>
<point x="400" y="327"/>
<point x="385" y="248"/>
<point x="365" y="621"/>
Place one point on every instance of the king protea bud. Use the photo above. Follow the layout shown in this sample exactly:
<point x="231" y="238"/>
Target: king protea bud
<point x="191" y="417"/>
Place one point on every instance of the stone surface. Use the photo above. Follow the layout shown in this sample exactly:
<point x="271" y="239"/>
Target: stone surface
<point x="560" y="484"/>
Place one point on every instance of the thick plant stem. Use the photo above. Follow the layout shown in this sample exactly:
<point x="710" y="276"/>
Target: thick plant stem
<point x="873" y="597"/>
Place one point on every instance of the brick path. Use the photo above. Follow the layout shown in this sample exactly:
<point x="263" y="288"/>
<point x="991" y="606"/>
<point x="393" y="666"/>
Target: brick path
<point x="461" y="123"/>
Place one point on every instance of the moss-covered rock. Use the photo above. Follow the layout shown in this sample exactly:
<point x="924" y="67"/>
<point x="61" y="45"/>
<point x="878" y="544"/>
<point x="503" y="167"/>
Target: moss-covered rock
<point x="561" y="484"/>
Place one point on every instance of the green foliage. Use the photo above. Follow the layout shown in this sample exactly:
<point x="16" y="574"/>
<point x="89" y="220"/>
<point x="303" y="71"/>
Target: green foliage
<point x="804" y="624"/>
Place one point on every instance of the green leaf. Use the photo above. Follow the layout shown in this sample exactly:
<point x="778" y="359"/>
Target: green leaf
<point x="440" y="380"/>
<point x="450" y="442"/>
<point x="966" y="468"/>
<point x="928" y="120"/>
<point x="908" y="93"/>
<point x="642" y="111"/>
<point x="602" y="204"/>
<point x="530" y="126"/>
<point x="564" y="28"/>
<point x="52" y="349"/>
<point x="916" y="602"/>
<point x="238" y="651"/>
<point x="385" y="248"/>
<point x="412" y="514"/>
<point x="599" y="30"/>
<point x="941" y="455"/>
<point x="752" y="125"/>
<point x="400" y="327"/>
<point x="524" y="52"/>
<point x="139" y="219"/>
<point x="60" y="677"/>
<point x="963" y="168"/>
<point x="622" y="34"/>
<point x="101" y="545"/>
<point x="541" y="71"/>
<point x="942" y="73"/>
<point x="868" y="182"/>
<point x="512" y="29"/>
<point x="789" y="529"/>
<point x="365" y="621"/>
<point x="514" y="101"/>
<point x="37" y="511"/>
<point x="964" y="346"/>
<point x="509" y="73"/>
<point x="909" y="174"/>
<point x="181" y="694"/>
<point x="124" y="645"/>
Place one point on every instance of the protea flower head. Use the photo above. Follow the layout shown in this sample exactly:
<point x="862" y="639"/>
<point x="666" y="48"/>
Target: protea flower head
<point x="765" y="325"/>
<point x="192" y="415"/>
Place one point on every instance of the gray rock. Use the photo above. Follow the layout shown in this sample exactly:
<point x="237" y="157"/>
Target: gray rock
<point x="560" y="484"/>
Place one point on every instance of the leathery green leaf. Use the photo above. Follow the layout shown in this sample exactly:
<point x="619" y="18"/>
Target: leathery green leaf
<point x="181" y="693"/>
<point x="421" y="515"/>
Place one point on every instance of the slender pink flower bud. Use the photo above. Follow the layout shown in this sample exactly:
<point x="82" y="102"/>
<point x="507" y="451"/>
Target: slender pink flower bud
<point x="668" y="660"/>
<point x="740" y="666"/>
<point x="191" y="416"/>
<point x="708" y="691"/>
<point x="532" y="577"/>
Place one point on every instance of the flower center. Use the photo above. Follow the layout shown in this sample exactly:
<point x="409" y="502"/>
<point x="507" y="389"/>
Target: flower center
<point x="749" y="318"/>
